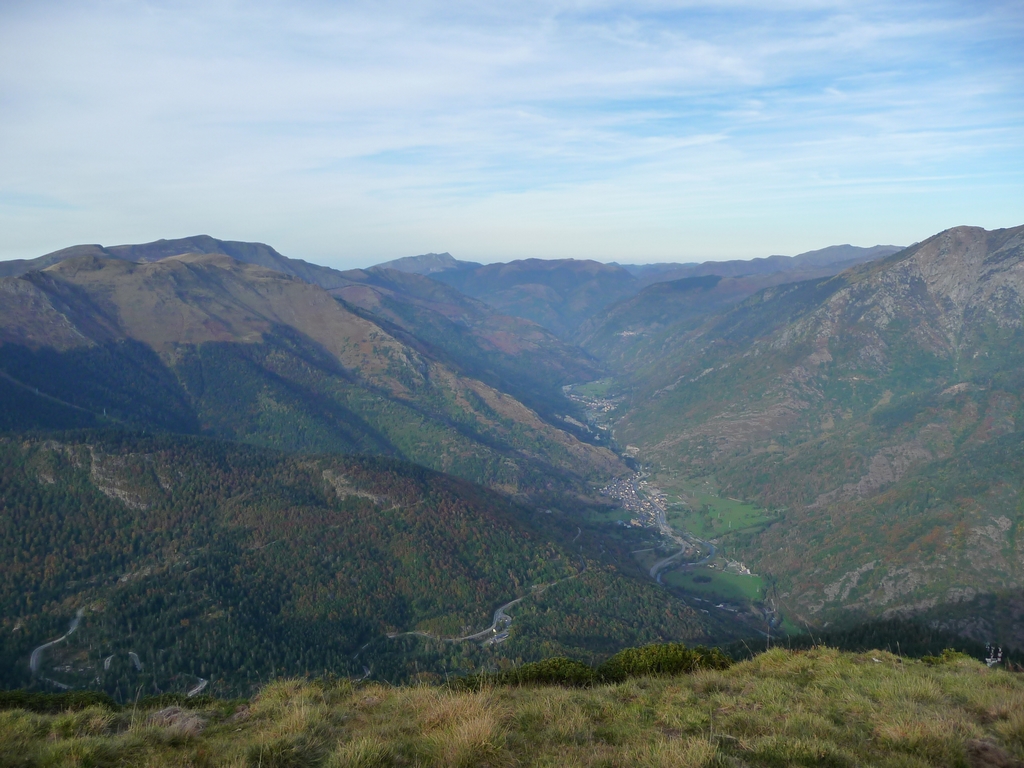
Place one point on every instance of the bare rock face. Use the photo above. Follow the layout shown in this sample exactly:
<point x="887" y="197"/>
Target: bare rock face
<point x="960" y="278"/>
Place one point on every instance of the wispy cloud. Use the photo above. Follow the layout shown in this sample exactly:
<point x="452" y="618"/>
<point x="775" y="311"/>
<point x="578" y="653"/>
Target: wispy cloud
<point x="352" y="133"/>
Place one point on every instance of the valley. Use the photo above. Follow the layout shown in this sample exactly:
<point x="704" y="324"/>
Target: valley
<point x="698" y="569"/>
<point x="231" y="465"/>
<point x="690" y="523"/>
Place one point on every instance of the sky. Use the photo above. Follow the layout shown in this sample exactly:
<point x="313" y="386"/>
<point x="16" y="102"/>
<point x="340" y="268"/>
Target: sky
<point x="353" y="133"/>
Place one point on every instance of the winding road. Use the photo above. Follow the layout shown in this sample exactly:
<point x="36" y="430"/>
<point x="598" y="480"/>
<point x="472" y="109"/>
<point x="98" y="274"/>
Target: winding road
<point x="500" y="620"/>
<point x="37" y="655"/>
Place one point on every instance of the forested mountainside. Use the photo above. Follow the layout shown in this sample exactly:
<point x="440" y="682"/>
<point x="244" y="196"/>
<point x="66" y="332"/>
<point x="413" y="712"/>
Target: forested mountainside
<point x="188" y="558"/>
<point x="204" y="343"/>
<point x="879" y="411"/>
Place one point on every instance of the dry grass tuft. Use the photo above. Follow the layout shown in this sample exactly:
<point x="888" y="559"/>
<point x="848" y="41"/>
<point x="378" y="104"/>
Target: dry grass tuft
<point x="677" y="753"/>
<point x="459" y="729"/>
<point x="364" y="752"/>
<point x="476" y="740"/>
<point x="91" y="721"/>
<point x="936" y="736"/>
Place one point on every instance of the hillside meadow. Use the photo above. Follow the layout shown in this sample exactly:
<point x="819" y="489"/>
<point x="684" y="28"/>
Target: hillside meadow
<point x="781" y="708"/>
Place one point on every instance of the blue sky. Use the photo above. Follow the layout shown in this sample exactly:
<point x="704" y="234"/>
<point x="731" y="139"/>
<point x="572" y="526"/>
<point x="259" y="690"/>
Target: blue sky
<point x="348" y="134"/>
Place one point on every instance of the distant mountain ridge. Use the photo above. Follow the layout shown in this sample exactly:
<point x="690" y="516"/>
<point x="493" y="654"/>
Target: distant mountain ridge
<point x="838" y="257"/>
<point x="566" y="295"/>
<point x="559" y="294"/>
<point x="250" y="253"/>
<point x="678" y="298"/>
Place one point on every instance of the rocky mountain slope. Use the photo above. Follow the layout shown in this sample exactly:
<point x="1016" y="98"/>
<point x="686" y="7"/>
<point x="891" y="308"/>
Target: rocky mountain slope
<point x="507" y="352"/>
<point x="880" y="409"/>
<point x="204" y="342"/>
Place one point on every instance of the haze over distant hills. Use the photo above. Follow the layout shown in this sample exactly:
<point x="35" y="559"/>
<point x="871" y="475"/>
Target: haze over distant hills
<point x="837" y="257"/>
<point x="564" y="294"/>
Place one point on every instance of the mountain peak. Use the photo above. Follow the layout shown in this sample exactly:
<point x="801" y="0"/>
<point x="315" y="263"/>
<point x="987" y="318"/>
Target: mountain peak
<point x="427" y="263"/>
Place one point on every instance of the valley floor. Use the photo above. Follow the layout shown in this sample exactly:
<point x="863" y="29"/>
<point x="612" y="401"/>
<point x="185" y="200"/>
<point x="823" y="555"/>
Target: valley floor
<point x="819" y="707"/>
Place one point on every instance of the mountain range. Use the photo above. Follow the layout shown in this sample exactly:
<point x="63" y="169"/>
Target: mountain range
<point x="231" y="449"/>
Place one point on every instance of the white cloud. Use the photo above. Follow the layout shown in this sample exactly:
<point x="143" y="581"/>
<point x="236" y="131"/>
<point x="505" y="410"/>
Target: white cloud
<point x="352" y="133"/>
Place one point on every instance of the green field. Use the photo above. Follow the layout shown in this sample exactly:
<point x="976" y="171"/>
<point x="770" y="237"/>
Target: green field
<point x="727" y="586"/>
<point x="599" y="388"/>
<point x="694" y="505"/>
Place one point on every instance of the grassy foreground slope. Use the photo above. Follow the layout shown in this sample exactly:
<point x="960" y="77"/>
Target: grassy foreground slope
<point x="782" y="708"/>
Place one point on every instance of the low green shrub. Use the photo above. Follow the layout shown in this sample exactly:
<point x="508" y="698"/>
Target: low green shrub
<point x="657" y="659"/>
<point x="949" y="656"/>
<point x="52" y="703"/>
<point x="660" y="659"/>
<point x="555" y="671"/>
